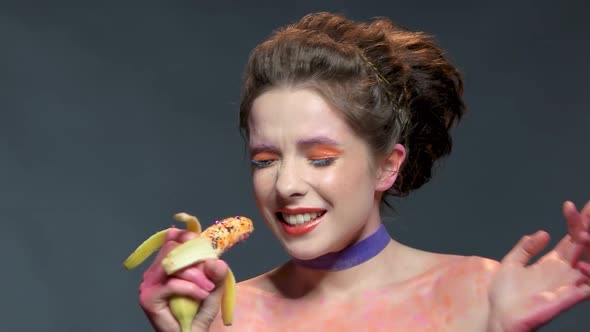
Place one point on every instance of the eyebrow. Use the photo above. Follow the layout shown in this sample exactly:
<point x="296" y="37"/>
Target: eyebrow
<point x="321" y="140"/>
<point x="254" y="149"/>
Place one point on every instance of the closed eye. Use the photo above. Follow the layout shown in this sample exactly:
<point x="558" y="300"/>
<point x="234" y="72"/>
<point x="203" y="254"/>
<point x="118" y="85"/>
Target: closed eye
<point x="263" y="159"/>
<point x="261" y="163"/>
<point x="322" y="155"/>
<point x="323" y="161"/>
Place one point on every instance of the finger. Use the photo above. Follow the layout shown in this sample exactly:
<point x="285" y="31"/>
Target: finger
<point x="187" y="235"/>
<point x="156" y="297"/>
<point x="197" y="276"/>
<point x="176" y="286"/>
<point x="575" y="224"/>
<point x="216" y="270"/>
<point x="584" y="268"/>
<point x="174" y="237"/>
<point x="527" y="248"/>
<point x="173" y="233"/>
<point x="179" y="235"/>
<point x="568" y="250"/>
<point x="585" y="213"/>
<point x="159" y="315"/>
<point x="154" y="301"/>
<point x="155" y="273"/>
<point x="577" y="229"/>
<point x="561" y="300"/>
<point x="172" y="240"/>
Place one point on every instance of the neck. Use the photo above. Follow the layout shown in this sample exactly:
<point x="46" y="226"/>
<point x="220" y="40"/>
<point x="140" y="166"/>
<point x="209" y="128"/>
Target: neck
<point x="296" y="280"/>
<point x="351" y="256"/>
<point x="341" y="283"/>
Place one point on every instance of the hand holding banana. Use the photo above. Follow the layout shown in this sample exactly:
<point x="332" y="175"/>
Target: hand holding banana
<point x="211" y="243"/>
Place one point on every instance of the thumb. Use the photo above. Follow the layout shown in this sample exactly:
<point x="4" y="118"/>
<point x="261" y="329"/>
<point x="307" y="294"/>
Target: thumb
<point x="216" y="271"/>
<point x="527" y="247"/>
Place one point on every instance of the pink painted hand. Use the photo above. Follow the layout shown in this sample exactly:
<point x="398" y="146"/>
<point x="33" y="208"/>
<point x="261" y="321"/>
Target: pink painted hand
<point x="523" y="296"/>
<point x="578" y="228"/>
<point x="198" y="282"/>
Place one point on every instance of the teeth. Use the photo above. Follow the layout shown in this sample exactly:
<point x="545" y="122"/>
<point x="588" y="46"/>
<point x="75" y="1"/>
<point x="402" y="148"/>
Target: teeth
<point x="298" y="219"/>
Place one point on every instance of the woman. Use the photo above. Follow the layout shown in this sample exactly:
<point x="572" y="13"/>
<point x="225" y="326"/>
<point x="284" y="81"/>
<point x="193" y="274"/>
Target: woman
<point x="338" y="116"/>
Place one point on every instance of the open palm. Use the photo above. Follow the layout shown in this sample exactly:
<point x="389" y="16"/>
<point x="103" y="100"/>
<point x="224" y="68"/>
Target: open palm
<point x="524" y="297"/>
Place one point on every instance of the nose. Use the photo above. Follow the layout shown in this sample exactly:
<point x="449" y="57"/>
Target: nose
<point x="289" y="182"/>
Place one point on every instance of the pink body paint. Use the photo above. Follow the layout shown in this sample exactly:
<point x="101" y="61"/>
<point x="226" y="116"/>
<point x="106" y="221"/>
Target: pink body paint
<point x="450" y="298"/>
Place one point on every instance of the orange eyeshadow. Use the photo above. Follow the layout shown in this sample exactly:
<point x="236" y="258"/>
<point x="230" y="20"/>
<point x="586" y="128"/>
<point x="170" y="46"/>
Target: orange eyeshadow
<point x="323" y="151"/>
<point x="265" y="155"/>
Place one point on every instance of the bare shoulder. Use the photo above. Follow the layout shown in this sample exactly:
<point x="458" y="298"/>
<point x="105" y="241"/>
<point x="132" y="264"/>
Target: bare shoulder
<point x="420" y="262"/>
<point x="465" y="278"/>
<point x="261" y="286"/>
<point x="460" y="289"/>
<point x="258" y="283"/>
<point x="474" y="265"/>
<point x="466" y="270"/>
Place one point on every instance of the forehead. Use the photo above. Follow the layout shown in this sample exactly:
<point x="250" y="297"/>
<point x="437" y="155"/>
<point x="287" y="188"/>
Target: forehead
<point x="295" y="113"/>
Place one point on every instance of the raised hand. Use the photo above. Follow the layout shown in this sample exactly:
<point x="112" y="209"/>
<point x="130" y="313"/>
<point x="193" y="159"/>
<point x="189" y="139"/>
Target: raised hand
<point x="199" y="283"/>
<point x="526" y="296"/>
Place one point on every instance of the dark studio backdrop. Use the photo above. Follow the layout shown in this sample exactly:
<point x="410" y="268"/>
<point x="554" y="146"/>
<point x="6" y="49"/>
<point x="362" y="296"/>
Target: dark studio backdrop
<point x="115" y="115"/>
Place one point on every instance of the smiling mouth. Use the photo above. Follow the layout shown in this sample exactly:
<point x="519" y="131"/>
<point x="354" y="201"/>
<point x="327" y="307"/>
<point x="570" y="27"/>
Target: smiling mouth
<point x="296" y="219"/>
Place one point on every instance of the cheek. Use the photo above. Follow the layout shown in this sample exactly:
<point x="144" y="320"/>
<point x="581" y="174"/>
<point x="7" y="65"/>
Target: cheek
<point x="257" y="184"/>
<point x="262" y="184"/>
<point x="350" y="177"/>
<point x="351" y="181"/>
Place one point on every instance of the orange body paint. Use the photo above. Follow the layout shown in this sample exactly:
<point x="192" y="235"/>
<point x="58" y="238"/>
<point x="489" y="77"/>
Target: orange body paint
<point x="444" y="299"/>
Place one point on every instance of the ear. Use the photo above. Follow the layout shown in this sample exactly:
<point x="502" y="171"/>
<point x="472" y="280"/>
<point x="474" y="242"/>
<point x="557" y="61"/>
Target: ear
<point x="389" y="168"/>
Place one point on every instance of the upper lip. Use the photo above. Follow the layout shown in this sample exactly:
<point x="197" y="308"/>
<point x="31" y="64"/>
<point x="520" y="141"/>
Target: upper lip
<point x="301" y="210"/>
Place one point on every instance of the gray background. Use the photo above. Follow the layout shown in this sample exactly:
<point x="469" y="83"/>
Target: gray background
<point x="115" y="115"/>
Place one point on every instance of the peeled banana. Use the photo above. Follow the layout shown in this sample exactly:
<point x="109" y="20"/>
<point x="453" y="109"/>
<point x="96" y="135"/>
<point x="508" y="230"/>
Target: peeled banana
<point x="211" y="243"/>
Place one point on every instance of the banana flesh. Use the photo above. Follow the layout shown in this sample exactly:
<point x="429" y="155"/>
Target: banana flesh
<point x="184" y="310"/>
<point x="215" y="240"/>
<point x="205" y="246"/>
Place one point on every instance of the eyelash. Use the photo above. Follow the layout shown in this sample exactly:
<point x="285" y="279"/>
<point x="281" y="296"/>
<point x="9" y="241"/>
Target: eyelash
<point x="315" y="162"/>
<point x="261" y="163"/>
<point x="322" y="162"/>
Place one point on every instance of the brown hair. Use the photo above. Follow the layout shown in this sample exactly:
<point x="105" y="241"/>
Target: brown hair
<point x="392" y="85"/>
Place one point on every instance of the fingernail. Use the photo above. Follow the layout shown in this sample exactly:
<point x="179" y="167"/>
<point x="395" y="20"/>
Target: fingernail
<point x="209" y="285"/>
<point x="212" y="265"/>
<point x="218" y="265"/>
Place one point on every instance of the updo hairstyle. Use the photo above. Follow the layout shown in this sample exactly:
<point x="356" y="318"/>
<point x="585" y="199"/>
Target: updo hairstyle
<point x="392" y="85"/>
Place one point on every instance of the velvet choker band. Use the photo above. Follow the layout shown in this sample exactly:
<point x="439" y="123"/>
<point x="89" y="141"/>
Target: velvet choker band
<point x="354" y="255"/>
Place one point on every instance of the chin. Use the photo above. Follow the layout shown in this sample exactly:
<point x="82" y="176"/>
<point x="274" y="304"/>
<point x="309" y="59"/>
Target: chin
<point x="303" y="254"/>
<point x="304" y="249"/>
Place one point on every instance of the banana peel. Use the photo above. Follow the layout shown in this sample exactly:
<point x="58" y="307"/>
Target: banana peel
<point x="211" y="243"/>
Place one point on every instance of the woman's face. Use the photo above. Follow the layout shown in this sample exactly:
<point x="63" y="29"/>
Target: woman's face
<point x="315" y="181"/>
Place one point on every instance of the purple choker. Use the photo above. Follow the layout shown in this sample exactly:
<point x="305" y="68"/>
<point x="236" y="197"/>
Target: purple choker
<point x="354" y="255"/>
